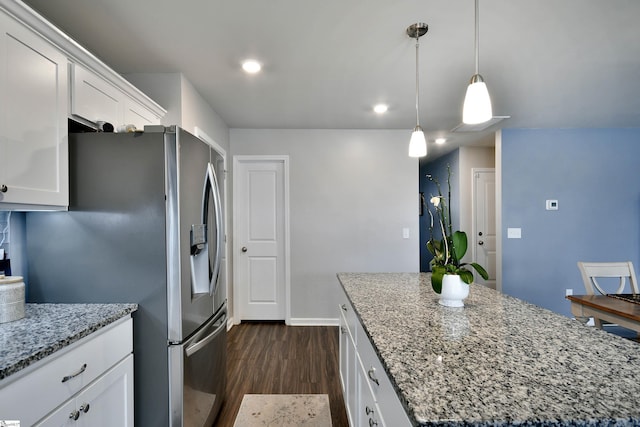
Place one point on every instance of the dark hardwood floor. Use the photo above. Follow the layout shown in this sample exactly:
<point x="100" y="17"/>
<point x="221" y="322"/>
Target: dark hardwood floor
<point x="271" y="358"/>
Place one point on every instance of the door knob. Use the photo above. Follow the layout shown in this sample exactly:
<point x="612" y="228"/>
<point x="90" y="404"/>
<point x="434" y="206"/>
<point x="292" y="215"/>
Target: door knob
<point x="244" y="249"/>
<point x="481" y="243"/>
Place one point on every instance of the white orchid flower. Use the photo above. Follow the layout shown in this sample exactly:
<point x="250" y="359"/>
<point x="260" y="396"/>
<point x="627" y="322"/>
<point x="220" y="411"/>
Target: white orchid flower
<point x="435" y="201"/>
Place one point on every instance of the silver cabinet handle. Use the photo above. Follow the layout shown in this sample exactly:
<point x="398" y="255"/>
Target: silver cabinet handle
<point x="372" y="375"/>
<point x="74" y="415"/>
<point x="344" y="307"/>
<point x="372" y="422"/>
<point x="244" y="249"/>
<point x="343" y="329"/>
<point x="85" y="407"/>
<point x="81" y="370"/>
<point x="3" y="188"/>
<point x="368" y="410"/>
<point x="481" y="243"/>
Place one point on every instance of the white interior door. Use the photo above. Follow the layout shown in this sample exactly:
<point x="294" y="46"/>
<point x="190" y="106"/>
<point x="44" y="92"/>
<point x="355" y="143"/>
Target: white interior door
<point x="484" y="230"/>
<point x="261" y="238"/>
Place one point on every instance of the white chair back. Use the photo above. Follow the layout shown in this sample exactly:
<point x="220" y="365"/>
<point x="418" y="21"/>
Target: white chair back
<point x="591" y="271"/>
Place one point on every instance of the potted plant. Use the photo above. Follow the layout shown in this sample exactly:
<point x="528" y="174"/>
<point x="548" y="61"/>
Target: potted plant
<point x="450" y="277"/>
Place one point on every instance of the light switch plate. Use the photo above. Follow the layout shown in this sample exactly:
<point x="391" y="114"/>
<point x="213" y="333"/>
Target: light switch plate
<point x="405" y="233"/>
<point x="552" y="205"/>
<point x="514" y="233"/>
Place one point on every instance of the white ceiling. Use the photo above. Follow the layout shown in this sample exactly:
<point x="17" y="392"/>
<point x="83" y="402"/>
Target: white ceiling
<point x="547" y="63"/>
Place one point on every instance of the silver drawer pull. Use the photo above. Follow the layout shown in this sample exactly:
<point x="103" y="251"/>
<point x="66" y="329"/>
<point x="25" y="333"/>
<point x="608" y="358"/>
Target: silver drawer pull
<point x="74" y="415"/>
<point x="3" y="188"/>
<point x="372" y="375"/>
<point x="85" y="407"/>
<point x="372" y="422"/>
<point x="343" y="329"/>
<point x="368" y="410"/>
<point x="68" y="377"/>
<point x="344" y="307"/>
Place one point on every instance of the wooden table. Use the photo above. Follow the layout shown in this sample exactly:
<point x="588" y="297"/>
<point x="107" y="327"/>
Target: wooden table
<point x="614" y="310"/>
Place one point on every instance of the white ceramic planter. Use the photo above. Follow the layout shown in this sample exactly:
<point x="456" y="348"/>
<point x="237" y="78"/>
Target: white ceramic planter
<point x="454" y="291"/>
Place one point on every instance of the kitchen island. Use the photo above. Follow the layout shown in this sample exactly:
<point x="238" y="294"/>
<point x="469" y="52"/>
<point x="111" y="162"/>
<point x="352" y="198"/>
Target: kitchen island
<point x="497" y="361"/>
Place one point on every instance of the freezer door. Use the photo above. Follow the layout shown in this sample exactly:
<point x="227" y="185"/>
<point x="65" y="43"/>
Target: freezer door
<point x="190" y="303"/>
<point x="198" y="375"/>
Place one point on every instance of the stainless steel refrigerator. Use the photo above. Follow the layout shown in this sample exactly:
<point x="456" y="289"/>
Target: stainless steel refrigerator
<point x="145" y="225"/>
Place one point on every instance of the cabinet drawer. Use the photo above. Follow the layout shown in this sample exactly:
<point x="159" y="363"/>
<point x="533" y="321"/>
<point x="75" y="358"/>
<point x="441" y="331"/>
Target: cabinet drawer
<point x="350" y="317"/>
<point x="379" y="383"/>
<point x="32" y="396"/>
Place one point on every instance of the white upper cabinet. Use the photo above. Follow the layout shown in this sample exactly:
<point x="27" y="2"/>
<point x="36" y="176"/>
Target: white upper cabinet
<point x="33" y="119"/>
<point x="45" y="78"/>
<point x="95" y="99"/>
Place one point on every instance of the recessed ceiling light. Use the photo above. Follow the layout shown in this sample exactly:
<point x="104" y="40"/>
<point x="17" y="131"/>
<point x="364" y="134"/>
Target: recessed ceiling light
<point x="251" y="66"/>
<point x="441" y="140"/>
<point x="380" y="108"/>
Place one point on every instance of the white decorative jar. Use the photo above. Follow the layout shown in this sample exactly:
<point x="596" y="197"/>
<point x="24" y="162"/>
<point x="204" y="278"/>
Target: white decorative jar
<point x="11" y="298"/>
<point x="454" y="291"/>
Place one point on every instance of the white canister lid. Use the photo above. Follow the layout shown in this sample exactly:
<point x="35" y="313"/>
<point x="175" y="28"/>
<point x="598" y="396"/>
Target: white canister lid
<point x="6" y="280"/>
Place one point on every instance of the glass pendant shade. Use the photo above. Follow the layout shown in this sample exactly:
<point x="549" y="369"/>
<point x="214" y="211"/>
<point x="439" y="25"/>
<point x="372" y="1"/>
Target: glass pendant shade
<point x="477" y="103"/>
<point x="418" y="143"/>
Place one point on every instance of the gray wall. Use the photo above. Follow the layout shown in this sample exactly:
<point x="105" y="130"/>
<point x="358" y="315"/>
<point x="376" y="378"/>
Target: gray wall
<point x="351" y="193"/>
<point x="185" y="106"/>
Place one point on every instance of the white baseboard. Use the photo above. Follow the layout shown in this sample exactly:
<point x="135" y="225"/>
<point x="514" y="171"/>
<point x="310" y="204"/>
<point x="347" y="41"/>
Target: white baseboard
<point x="306" y="321"/>
<point x="300" y="321"/>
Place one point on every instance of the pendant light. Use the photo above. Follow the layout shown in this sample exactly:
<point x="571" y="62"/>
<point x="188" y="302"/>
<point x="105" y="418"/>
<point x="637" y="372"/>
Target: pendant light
<point x="418" y="143"/>
<point x="477" y="103"/>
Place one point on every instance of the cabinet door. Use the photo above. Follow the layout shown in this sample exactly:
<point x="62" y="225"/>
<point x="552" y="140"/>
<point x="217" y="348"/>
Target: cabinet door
<point x="136" y="114"/>
<point x="368" y="410"/>
<point x="33" y="118"/>
<point x="347" y="367"/>
<point x="94" y="99"/>
<point x="109" y="401"/>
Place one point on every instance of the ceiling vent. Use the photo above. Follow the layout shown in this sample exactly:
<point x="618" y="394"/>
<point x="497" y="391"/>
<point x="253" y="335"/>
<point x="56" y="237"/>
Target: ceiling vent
<point x="463" y="127"/>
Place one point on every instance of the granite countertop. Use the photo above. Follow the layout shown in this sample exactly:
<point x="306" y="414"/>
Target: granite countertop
<point x="47" y="328"/>
<point x="497" y="361"/>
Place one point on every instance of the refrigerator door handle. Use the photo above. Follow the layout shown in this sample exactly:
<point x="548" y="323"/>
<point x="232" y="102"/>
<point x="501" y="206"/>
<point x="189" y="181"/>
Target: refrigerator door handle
<point x="219" y="325"/>
<point x="211" y="188"/>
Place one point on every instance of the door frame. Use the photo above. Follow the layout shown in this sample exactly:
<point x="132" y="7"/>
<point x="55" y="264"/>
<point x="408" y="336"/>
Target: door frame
<point x="284" y="159"/>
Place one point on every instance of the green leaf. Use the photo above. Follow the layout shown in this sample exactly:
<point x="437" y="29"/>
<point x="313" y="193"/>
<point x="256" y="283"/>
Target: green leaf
<point x="466" y="276"/>
<point x="430" y="247"/>
<point x="459" y="239"/>
<point x="481" y="271"/>
<point x="437" y="273"/>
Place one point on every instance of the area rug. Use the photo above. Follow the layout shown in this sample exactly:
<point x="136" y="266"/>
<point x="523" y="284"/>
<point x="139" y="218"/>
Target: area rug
<point x="284" y="410"/>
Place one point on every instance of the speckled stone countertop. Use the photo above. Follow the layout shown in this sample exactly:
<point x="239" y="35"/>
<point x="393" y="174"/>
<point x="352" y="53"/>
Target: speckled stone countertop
<point x="497" y="361"/>
<point x="47" y="328"/>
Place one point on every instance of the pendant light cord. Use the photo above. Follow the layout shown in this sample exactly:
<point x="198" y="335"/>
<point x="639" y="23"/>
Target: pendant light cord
<point x="477" y="39"/>
<point x="417" y="80"/>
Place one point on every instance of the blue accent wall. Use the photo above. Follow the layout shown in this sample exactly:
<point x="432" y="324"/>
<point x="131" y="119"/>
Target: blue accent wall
<point x="594" y="175"/>
<point x="438" y="168"/>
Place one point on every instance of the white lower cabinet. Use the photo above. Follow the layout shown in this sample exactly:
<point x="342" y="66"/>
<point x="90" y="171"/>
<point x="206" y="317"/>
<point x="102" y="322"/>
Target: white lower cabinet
<point x="88" y="383"/>
<point x="369" y="396"/>
<point x="106" y="402"/>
